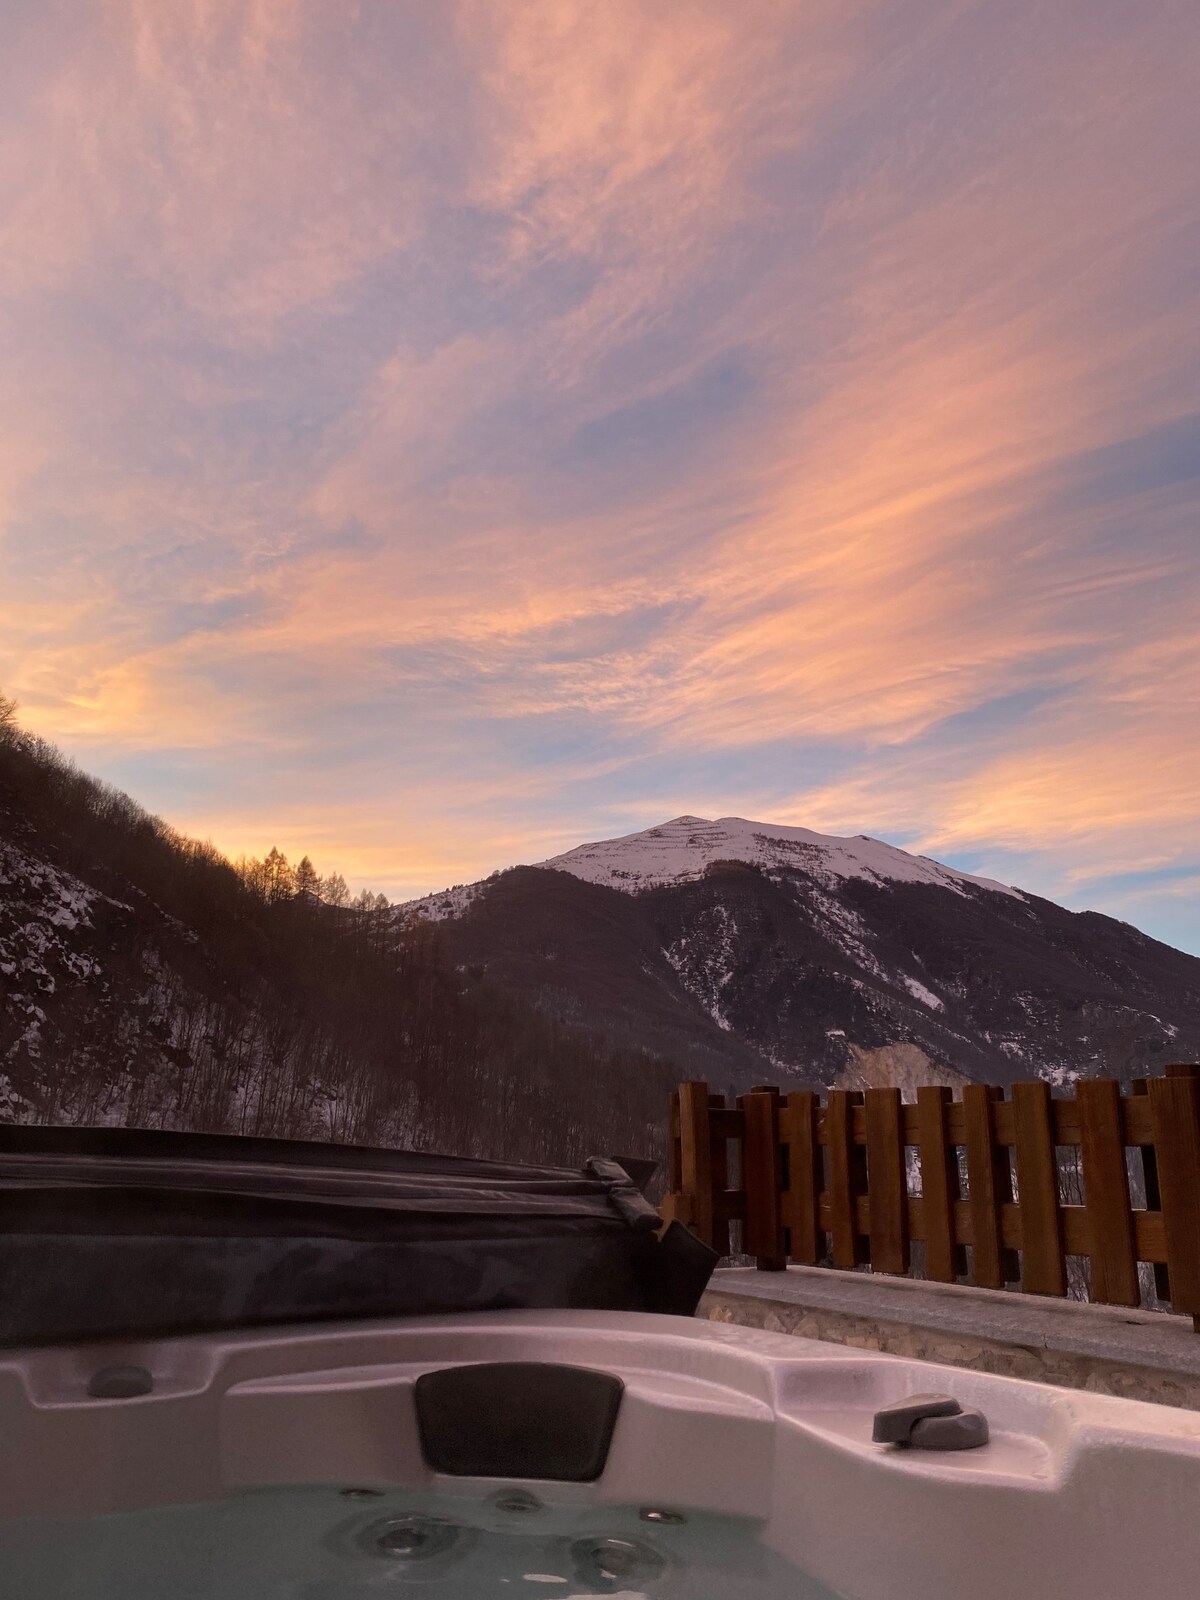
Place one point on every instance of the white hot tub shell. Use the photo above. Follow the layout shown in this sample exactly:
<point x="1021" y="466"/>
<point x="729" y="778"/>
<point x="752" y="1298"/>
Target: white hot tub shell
<point x="1075" y="1496"/>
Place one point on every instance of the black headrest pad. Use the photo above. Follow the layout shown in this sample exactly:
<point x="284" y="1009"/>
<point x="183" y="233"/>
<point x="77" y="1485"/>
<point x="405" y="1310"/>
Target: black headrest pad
<point x="518" y="1419"/>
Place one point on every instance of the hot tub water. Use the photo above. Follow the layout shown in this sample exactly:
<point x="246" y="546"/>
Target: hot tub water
<point x="326" y="1544"/>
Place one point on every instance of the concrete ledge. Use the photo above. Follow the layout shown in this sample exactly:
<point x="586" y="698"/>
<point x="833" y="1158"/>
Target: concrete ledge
<point x="1141" y="1355"/>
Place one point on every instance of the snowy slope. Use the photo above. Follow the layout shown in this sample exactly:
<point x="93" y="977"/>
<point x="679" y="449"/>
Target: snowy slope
<point x="446" y="903"/>
<point x="46" y="923"/>
<point x="686" y="847"/>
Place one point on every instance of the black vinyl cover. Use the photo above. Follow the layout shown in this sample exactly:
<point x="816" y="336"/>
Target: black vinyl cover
<point x="122" y="1232"/>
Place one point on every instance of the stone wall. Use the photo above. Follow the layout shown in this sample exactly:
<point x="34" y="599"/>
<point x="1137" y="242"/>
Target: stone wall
<point x="1136" y="1354"/>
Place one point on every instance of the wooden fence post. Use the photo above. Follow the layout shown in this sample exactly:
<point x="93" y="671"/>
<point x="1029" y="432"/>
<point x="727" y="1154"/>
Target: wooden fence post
<point x="887" y="1181"/>
<point x="1010" y="1260"/>
<point x="1044" y="1267"/>
<point x="1162" y="1277"/>
<point x="695" y="1152"/>
<point x="1175" y="1109"/>
<point x="718" y="1161"/>
<point x="762" y="1179"/>
<point x="945" y="1259"/>
<point x="802" y="1198"/>
<point x="982" y="1199"/>
<point x="844" y="1177"/>
<point x="1112" y="1244"/>
<point x="674" y="1160"/>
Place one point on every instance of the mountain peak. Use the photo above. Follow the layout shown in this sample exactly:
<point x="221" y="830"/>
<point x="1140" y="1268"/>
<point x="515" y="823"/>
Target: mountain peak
<point x="685" y="847"/>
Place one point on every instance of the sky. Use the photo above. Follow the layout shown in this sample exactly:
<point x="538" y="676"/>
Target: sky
<point x="435" y="435"/>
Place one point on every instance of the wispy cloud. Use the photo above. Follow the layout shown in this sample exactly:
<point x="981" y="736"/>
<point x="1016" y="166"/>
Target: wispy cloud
<point x="440" y="433"/>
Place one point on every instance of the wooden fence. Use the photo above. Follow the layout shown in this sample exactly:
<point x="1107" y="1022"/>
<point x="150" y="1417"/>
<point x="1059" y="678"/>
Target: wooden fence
<point x="831" y="1181"/>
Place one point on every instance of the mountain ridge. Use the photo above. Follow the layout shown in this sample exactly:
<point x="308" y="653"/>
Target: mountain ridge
<point x="704" y="841"/>
<point x="750" y="951"/>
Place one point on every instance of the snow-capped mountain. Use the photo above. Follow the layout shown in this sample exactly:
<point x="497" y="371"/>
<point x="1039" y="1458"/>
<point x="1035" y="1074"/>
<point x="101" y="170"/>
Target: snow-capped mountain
<point x="749" y="951"/>
<point x="685" y="848"/>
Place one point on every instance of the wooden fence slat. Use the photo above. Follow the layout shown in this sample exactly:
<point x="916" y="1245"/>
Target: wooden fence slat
<point x="1003" y="1127"/>
<point x="887" y="1186"/>
<point x="718" y="1145"/>
<point x="1044" y="1267"/>
<point x="944" y="1259"/>
<point x="1135" y="1114"/>
<point x="696" y="1160"/>
<point x="1151" y="1236"/>
<point x="761" y="1179"/>
<point x="1010" y="1260"/>
<point x="802" y="1199"/>
<point x="858" y="1177"/>
<point x="843" y="1173"/>
<point x="1148" y="1226"/>
<point x="1139" y="1110"/>
<point x="1175" y="1107"/>
<point x="982" y="1198"/>
<point x="726" y="1120"/>
<point x="1066" y="1122"/>
<point x="1112" y="1243"/>
<point x="674" y="1164"/>
<point x="718" y="1140"/>
<point x="1148" y="1230"/>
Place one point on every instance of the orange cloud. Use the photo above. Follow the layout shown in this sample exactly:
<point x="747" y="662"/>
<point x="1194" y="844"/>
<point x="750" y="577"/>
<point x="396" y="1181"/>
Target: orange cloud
<point x="367" y="407"/>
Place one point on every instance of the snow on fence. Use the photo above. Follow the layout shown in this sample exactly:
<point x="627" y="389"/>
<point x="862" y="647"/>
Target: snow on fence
<point x="831" y="1182"/>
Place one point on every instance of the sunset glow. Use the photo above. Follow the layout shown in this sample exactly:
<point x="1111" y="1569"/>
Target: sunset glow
<point x="431" y="436"/>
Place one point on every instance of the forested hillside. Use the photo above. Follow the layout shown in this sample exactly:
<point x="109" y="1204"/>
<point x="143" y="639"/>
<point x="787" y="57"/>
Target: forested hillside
<point x="147" y="980"/>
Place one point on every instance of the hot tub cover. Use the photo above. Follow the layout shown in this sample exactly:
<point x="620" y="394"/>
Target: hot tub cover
<point x="119" y="1232"/>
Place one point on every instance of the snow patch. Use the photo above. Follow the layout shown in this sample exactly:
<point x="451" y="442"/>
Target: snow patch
<point x="708" y="972"/>
<point x="1059" y="1076"/>
<point x="924" y="995"/>
<point x="446" y="905"/>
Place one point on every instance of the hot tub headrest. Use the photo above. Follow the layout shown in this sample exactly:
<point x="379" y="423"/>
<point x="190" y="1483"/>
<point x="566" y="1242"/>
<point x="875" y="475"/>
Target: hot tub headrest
<point x="518" y="1419"/>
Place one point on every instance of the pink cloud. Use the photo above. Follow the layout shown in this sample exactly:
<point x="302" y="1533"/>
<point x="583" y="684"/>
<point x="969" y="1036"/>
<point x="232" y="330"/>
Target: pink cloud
<point x="344" y="351"/>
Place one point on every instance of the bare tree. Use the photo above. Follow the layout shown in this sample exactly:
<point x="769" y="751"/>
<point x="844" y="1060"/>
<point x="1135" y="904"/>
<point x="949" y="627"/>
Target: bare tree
<point x="308" y="882"/>
<point x="334" y="891"/>
<point x="280" y="879"/>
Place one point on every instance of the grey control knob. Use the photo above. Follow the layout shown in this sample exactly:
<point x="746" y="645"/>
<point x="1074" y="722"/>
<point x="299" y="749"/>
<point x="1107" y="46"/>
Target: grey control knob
<point x="929" y="1422"/>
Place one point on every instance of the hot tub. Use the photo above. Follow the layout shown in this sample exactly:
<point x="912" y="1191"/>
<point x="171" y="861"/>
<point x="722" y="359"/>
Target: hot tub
<point x="727" y="1462"/>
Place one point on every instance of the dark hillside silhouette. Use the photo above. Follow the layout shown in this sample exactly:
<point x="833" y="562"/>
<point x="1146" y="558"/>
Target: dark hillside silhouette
<point x="147" y="980"/>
